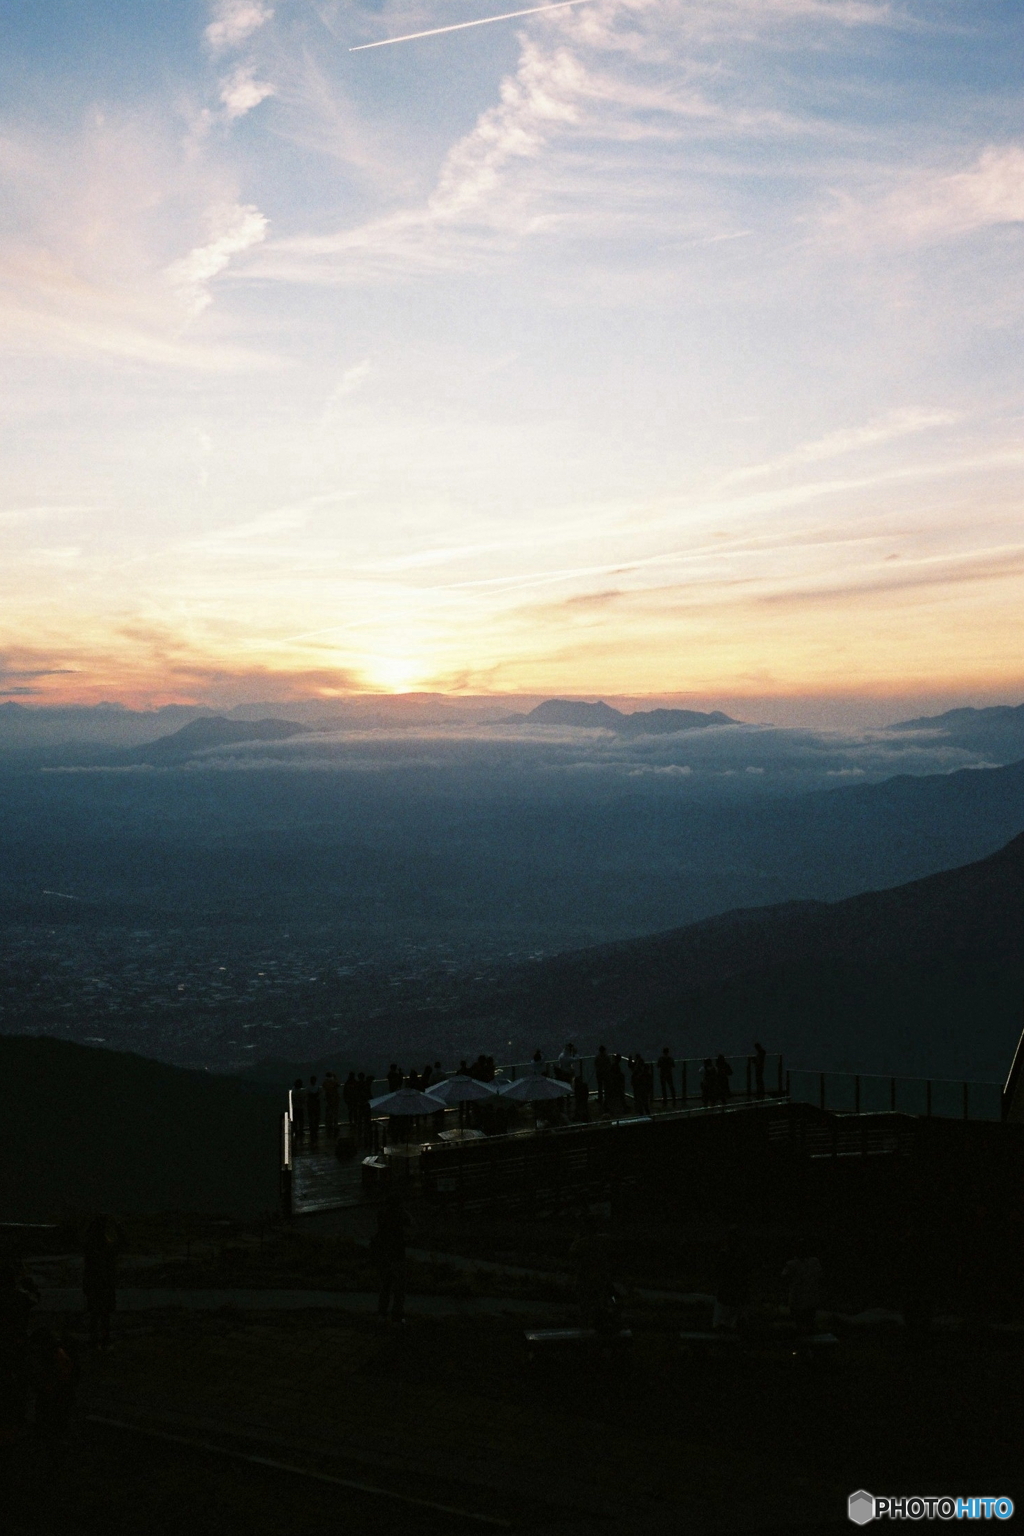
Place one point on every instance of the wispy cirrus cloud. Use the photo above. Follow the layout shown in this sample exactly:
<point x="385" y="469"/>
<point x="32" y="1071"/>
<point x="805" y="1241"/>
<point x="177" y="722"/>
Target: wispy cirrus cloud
<point x="930" y="206"/>
<point x="588" y="86"/>
<point x="91" y="214"/>
<point x="468" y="203"/>
<point x="704" y="412"/>
<point x="883" y="429"/>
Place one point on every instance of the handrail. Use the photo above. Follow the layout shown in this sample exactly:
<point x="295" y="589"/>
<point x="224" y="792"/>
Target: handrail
<point x="687" y="1072"/>
<point x="942" y="1098"/>
<point x="934" y="1097"/>
<point x="1012" y="1086"/>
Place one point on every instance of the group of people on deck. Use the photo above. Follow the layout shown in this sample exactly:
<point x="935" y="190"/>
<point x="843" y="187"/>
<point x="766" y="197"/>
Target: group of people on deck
<point x="623" y="1084"/>
<point x="318" y="1104"/>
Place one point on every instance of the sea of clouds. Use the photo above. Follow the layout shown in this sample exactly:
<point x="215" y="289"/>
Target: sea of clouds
<point x="718" y="761"/>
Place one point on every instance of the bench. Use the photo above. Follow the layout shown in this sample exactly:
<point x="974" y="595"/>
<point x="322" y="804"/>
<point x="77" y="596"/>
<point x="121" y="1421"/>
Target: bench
<point x="559" y="1340"/>
<point x="713" y="1336"/>
<point x="708" y="1341"/>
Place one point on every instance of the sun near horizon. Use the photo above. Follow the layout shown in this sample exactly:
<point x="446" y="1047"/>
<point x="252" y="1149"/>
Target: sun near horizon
<point x="614" y="350"/>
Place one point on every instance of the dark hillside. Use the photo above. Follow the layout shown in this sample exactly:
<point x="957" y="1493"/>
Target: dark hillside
<point x="103" y="1130"/>
<point x="926" y="978"/>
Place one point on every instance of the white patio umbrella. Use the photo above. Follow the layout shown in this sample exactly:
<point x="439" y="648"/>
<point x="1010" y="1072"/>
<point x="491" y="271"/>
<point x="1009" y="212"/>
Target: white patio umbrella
<point x="460" y="1090"/>
<point x="405" y="1101"/>
<point x="531" y="1090"/>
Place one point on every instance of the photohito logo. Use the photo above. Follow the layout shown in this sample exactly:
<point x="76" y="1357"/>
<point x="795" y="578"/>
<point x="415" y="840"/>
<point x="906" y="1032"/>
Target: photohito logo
<point x="863" y="1506"/>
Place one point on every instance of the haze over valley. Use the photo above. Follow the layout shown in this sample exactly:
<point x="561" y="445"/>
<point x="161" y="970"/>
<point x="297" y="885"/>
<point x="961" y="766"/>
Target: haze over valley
<point x="236" y="888"/>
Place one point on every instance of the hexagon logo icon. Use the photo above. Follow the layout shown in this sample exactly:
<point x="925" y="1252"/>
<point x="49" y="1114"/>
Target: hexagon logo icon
<point x="861" y="1507"/>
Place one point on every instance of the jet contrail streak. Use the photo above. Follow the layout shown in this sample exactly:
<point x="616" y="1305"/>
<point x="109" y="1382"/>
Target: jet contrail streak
<point x="459" y="26"/>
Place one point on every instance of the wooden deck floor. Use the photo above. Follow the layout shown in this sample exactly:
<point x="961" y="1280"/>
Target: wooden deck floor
<point x="322" y="1182"/>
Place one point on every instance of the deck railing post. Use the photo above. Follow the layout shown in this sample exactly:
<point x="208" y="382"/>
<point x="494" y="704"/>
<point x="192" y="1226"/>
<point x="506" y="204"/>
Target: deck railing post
<point x="780" y="1078"/>
<point x="286" y="1165"/>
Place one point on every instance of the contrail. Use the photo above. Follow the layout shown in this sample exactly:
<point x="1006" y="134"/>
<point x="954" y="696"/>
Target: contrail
<point x="484" y="21"/>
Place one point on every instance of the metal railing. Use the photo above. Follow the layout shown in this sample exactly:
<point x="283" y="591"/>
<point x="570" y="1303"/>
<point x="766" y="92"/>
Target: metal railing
<point x="859" y="1093"/>
<point x="687" y="1073"/>
<point x="853" y="1093"/>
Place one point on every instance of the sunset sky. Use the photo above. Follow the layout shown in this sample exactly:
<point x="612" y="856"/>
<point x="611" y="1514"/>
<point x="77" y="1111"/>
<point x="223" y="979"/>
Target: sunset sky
<point x="638" y="347"/>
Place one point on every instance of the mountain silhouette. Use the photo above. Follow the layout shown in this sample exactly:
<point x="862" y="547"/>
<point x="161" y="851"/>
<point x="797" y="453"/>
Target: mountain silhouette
<point x="956" y="719"/>
<point x="661" y="722"/>
<point x="998" y="730"/>
<point x="925" y="978"/>
<point x="575" y="712"/>
<point x="207" y="732"/>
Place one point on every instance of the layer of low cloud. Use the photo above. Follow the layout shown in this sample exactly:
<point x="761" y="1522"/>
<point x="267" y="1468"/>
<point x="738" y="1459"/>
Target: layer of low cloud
<point x="739" y="761"/>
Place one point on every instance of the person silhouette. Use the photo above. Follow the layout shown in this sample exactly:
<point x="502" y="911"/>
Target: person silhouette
<point x="313" y="1112"/>
<point x="388" y="1252"/>
<point x="803" y="1277"/>
<point x="350" y="1094"/>
<point x="732" y="1282"/>
<point x="298" y="1109"/>
<point x="602" y="1074"/>
<point x="102" y="1244"/>
<point x="708" y="1083"/>
<point x="759" y="1057"/>
<point x="332" y="1098"/>
<point x="666" y="1076"/>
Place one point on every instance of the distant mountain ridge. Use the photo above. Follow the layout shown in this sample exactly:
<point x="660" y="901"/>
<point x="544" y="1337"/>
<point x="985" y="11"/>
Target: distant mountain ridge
<point x="995" y="714"/>
<point x="601" y="716"/>
<point x="926" y="978"/>
<point x="208" y="732"/>
<point x="997" y="731"/>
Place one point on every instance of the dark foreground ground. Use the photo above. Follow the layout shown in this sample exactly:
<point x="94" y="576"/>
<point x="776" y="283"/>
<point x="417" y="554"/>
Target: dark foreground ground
<point x="244" y="1420"/>
<point x="449" y="1415"/>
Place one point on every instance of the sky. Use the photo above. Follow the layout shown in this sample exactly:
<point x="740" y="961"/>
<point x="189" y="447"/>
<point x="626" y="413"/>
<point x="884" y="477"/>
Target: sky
<point x="638" y="347"/>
